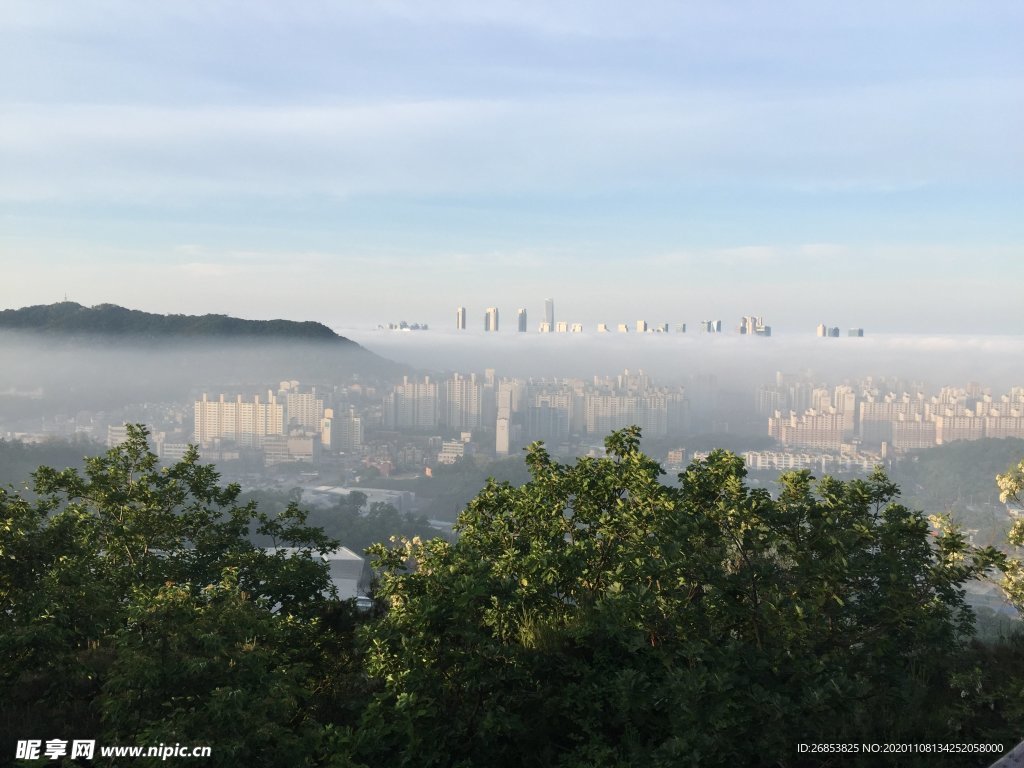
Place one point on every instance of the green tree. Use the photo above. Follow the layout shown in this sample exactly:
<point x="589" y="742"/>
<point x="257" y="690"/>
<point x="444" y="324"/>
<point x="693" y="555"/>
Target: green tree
<point x="1011" y="488"/>
<point x="137" y="609"/>
<point x="595" y="616"/>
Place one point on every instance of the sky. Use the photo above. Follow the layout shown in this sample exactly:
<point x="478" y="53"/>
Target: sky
<point x="355" y="163"/>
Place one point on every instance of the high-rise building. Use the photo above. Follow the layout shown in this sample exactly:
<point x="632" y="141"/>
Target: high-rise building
<point x="503" y="438"/>
<point x="753" y="325"/>
<point x="641" y="326"/>
<point x="549" y="312"/>
<point x="347" y="432"/>
<point x="243" y="422"/>
<point x="327" y="429"/>
<point x="460" y="319"/>
<point x="491" y="319"/>
<point x="412" y="405"/>
<point x="463" y="402"/>
<point x="303" y="410"/>
<point x="521" y="319"/>
<point x="814" y="429"/>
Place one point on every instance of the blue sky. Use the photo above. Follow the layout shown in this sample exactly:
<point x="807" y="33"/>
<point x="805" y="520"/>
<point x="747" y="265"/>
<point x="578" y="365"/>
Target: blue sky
<point x="355" y="163"/>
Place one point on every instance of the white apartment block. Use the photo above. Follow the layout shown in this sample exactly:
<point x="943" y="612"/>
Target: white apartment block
<point x="783" y="461"/>
<point x="243" y="422"/>
<point x="814" y="429"/>
<point x="951" y="426"/>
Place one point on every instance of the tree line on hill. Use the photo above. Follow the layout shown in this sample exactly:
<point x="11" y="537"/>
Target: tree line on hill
<point x="68" y="317"/>
<point x="592" y="616"/>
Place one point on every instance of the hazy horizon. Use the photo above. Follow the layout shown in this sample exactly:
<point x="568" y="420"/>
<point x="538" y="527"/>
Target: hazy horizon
<point x="936" y="360"/>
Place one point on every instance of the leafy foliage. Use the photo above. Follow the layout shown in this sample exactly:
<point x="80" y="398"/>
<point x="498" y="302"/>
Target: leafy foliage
<point x="346" y="520"/>
<point x="1011" y="488"/>
<point x="595" y="616"/>
<point x="592" y="616"/>
<point x="134" y="599"/>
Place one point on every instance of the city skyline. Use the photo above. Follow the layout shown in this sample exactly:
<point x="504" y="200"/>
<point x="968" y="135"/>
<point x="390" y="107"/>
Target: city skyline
<point x="860" y="166"/>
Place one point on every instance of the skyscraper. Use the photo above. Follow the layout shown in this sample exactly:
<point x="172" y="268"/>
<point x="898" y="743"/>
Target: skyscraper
<point x="549" y="312"/>
<point x="460" y="319"/>
<point x="521" y="317"/>
<point x="491" y="319"/>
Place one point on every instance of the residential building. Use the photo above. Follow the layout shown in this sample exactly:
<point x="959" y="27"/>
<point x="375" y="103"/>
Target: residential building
<point x="463" y="402"/>
<point x="243" y="422"/>
<point x="413" y="404"/>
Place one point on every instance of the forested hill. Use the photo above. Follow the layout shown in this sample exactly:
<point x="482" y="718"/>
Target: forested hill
<point x="68" y="317"/>
<point x="73" y="357"/>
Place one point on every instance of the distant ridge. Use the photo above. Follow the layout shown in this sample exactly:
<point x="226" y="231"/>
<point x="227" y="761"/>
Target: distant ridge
<point x="107" y="356"/>
<point x="68" y="317"/>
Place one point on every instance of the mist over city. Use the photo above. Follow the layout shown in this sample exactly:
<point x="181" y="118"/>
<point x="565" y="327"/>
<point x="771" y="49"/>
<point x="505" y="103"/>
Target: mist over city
<point x="737" y="360"/>
<point x="512" y="384"/>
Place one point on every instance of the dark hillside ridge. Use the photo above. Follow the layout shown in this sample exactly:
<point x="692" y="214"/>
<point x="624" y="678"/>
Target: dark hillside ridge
<point x="68" y="317"/>
<point x="74" y="357"/>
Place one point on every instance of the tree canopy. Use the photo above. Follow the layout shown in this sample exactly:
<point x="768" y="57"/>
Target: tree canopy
<point x="591" y="616"/>
<point x="1011" y="489"/>
<point x="136" y="609"/>
<point x="595" y="616"/>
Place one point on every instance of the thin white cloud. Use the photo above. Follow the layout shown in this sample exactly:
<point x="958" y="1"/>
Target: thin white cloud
<point x="498" y="147"/>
